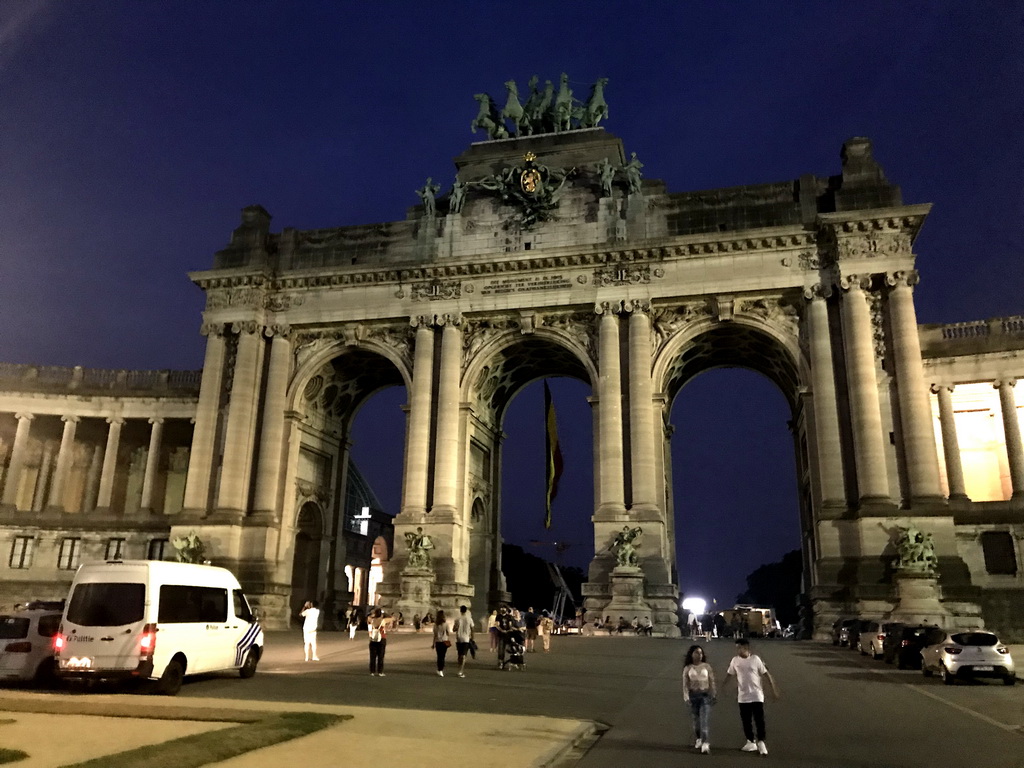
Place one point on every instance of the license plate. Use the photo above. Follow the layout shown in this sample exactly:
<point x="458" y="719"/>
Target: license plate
<point x="983" y="668"/>
<point x="76" y="662"/>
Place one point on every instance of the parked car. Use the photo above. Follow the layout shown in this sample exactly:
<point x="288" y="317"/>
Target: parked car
<point x="26" y="643"/>
<point x="903" y="645"/>
<point x="854" y="632"/>
<point x="870" y="641"/>
<point x="962" y="655"/>
<point x="841" y="631"/>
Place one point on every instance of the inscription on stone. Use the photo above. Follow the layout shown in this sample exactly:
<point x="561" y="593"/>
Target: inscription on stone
<point x="523" y="283"/>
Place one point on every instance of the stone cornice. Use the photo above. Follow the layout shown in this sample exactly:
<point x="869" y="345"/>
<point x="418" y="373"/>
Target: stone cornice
<point x="906" y="218"/>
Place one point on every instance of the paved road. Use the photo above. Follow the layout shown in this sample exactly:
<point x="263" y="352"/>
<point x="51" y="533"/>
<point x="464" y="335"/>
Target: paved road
<point x="837" y="709"/>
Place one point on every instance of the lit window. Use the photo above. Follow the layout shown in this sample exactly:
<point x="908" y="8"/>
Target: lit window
<point x="70" y="549"/>
<point x="21" y="552"/>
<point x="115" y="549"/>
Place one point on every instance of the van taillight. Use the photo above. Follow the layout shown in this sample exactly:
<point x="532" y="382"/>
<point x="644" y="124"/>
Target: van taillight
<point x="147" y="642"/>
<point x="58" y="643"/>
<point x="22" y="647"/>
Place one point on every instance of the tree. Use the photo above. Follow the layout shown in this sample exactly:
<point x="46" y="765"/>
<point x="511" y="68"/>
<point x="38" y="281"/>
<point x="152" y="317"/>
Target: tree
<point x="777" y="585"/>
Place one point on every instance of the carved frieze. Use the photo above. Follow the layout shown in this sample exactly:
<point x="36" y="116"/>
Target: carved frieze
<point x="396" y="337"/>
<point x="480" y="330"/>
<point x="872" y="245"/>
<point x="773" y="311"/>
<point x="578" y="325"/>
<point x="629" y="274"/>
<point x="435" y="290"/>
<point x="282" y="302"/>
<point x="246" y="297"/>
<point x="666" y="322"/>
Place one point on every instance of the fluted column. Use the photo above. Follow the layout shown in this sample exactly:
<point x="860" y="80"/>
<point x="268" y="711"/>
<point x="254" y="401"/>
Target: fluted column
<point x="268" y="477"/>
<point x="612" y="497"/>
<point x="826" y="414"/>
<point x="106" y="491"/>
<point x="915" y="405"/>
<point x="18" y="451"/>
<point x="417" y="435"/>
<point x="865" y="412"/>
<point x="152" y="462"/>
<point x="1011" y="431"/>
<point x="43" y="478"/>
<point x="239" y="430"/>
<point x="641" y="409"/>
<point x="950" y="443"/>
<point x="64" y="459"/>
<point x="446" y="449"/>
<point x="200" y="462"/>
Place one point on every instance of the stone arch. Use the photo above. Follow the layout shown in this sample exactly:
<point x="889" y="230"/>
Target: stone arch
<point x="326" y="352"/>
<point x="305" y="572"/>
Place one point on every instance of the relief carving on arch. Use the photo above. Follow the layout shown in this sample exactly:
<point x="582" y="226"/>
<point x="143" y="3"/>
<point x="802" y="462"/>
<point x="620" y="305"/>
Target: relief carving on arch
<point x="666" y="322"/>
<point x="478" y="331"/>
<point x="578" y="325"/>
<point x="395" y="337"/>
<point x="773" y="311"/>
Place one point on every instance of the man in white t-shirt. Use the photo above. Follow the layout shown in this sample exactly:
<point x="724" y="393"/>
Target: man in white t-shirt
<point x="464" y="637"/>
<point x="310" y="621"/>
<point x="747" y="669"/>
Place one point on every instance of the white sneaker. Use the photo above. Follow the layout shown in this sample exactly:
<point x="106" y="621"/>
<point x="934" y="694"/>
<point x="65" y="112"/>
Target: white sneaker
<point x="380" y="674"/>
<point x="440" y="673"/>
<point x="316" y="658"/>
<point x="705" y="748"/>
<point x="749" y="747"/>
<point x="699" y="744"/>
<point x="762" y="748"/>
<point x="462" y="674"/>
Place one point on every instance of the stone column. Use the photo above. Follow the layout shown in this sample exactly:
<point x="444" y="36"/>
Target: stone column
<point x="64" y="459"/>
<point x="950" y="443"/>
<point x="1011" y="431"/>
<point x="417" y="441"/>
<point x="915" y="405"/>
<point x="200" y="463"/>
<point x="868" y="444"/>
<point x="612" y="496"/>
<point x="152" y="462"/>
<point x="106" y="491"/>
<point x="641" y="409"/>
<point x="239" y="430"/>
<point x="268" y="477"/>
<point x="446" y="449"/>
<point x="92" y="479"/>
<point x="826" y="415"/>
<point x="43" y="478"/>
<point x="17" y="464"/>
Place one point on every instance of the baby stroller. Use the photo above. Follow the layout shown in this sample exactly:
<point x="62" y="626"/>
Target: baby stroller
<point x="516" y="648"/>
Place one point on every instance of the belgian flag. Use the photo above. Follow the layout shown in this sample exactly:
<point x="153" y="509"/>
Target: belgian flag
<point x="553" y="453"/>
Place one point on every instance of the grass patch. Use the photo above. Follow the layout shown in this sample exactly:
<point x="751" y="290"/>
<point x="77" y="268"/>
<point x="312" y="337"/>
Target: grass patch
<point x="215" y="746"/>
<point x="11" y="755"/>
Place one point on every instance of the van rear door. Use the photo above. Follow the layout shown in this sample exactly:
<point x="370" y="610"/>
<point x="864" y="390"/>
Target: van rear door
<point x="102" y="624"/>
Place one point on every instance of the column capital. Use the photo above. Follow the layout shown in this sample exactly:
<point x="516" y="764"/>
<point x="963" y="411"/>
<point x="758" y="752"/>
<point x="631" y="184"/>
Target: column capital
<point x="851" y="282"/>
<point x="424" y="322"/>
<point x="939" y="386"/>
<point x="211" y="329"/>
<point x="70" y="419"/>
<point x="24" y="416"/>
<point x="280" y="330"/>
<point x="452" y="320"/>
<point x="903" y="278"/>
<point x="1000" y="383"/>
<point x="156" y="420"/>
<point x="246" y="327"/>
<point x="817" y="291"/>
<point x="610" y="308"/>
<point x="118" y="420"/>
<point x="637" y="306"/>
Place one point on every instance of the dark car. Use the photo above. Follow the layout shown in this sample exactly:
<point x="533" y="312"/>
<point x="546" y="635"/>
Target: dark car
<point x="904" y="645"/>
<point x="841" y="631"/>
<point x="853" y="633"/>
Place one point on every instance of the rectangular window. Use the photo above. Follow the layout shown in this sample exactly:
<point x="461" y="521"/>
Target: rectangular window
<point x="21" y="552"/>
<point x="70" y="550"/>
<point x="156" y="549"/>
<point x="183" y="604"/>
<point x="1000" y="557"/>
<point x="115" y="549"/>
<point x="107" y="604"/>
<point x="242" y="610"/>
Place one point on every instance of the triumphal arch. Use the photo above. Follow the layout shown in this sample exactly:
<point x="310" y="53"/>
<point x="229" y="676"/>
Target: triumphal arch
<point x="555" y="252"/>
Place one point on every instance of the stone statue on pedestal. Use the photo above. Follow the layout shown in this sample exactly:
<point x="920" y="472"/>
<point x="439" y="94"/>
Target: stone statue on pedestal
<point x="916" y="550"/>
<point x="632" y="171"/>
<point x="457" y="197"/>
<point x="428" y="193"/>
<point x="624" y="547"/>
<point x="607" y="172"/>
<point x="190" y="549"/>
<point x="419" y="545"/>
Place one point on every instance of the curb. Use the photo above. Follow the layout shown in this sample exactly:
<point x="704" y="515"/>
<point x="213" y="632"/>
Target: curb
<point x="586" y="733"/>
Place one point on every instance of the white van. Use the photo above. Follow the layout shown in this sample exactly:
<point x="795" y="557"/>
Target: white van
<point x="154" y="620"/>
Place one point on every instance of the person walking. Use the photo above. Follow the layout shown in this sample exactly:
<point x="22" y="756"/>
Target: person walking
<point x="504" y="626"/>
<point x="492" y="630"/>
<point x="442" y="642"/>
<point x="353" y="623"/>
<point x="530" y="620"/>
<point x="310" y="622"/>
<point x="700" y="692"/>
<point x="463" y="637"/>
<point x="692" y="625"/>
<point x="747" y="670"/>
<point x="545" y="629"/>
<point x="377" y="629"/>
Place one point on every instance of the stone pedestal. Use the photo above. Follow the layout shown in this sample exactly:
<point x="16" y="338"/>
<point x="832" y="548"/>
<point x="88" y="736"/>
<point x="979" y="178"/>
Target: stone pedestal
<point x="416" y="592"/>
<point x="627" y="584"/>
<point x="917" y="598"/>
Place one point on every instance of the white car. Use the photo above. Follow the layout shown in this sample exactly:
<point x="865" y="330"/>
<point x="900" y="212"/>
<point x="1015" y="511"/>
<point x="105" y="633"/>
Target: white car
<point x="26" y="643"/>
<point x="962" y="655"/>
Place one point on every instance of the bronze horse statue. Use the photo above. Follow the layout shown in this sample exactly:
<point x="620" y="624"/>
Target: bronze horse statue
<point x="513" y="110"/>
<point x="596" y="108"/>
<point x="488" y="118"/>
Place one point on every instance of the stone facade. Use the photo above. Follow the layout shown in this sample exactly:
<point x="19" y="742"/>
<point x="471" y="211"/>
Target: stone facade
<point x="633" y="291"/>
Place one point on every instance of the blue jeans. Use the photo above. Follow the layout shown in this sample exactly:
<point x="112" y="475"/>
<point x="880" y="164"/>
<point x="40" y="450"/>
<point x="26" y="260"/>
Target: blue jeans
<point x="700" y="709"/>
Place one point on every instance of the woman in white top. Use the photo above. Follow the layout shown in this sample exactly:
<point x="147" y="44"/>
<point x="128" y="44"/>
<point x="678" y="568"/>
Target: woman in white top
<point x="442" y="641"/>
<point x="700" y="691"/>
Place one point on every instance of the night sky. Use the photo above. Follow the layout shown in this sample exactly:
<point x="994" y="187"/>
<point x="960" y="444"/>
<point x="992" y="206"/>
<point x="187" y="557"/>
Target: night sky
<point x="132" y="133"/>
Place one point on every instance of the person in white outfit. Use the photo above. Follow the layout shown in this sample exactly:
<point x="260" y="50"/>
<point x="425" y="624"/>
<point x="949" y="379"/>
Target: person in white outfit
<point x="463" y="637"/>
<point x="310" y="621"/>
<point x="747" y="669"/>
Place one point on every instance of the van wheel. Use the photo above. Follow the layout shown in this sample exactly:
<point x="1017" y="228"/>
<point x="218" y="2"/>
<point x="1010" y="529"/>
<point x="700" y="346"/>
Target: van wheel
<point x="248" y="668"/>
<point x="171" y="679"/>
